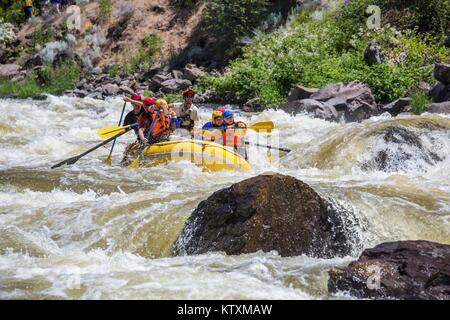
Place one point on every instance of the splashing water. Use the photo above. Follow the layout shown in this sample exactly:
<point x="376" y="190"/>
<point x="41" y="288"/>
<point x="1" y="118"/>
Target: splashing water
<point x="96" y="231"/>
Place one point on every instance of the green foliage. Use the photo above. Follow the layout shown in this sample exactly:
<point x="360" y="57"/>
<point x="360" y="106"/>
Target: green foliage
<point x="315" y="52"/>
<point x="12" y="11"/>
<point x="41" y="37"/>
<point x="7" y="35"/>
<point x="233" y="19"/>
<point x="419" y="103"/>
<point x="105" y="7"/>
<point x="146" y="55"/>
<point x="52" y="80"/>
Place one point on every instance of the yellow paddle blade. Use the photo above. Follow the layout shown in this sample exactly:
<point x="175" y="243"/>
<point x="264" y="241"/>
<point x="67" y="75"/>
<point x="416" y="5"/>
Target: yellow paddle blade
<point x="135" y="163"/>
<point x="111" y="131"/>
<point x="262" y="126"/>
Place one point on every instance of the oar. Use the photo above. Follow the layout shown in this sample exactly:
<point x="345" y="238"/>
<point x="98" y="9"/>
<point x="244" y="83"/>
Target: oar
<point x="268" y="147"/>
<point x="135" y="163"/>
<point x="111" y="131"/>
<point x="109" y="159"/>
<point x="258" y="126"/>
<point x="76" y="158"/>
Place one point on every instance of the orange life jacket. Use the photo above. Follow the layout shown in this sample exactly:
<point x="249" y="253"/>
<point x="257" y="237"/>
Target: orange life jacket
<point x="162" y="124"/>
<point x="234" y="134"/>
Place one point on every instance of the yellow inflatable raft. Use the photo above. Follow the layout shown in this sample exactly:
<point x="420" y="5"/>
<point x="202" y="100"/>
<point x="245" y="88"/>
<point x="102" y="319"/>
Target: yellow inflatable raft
<point x="209" y="155"/>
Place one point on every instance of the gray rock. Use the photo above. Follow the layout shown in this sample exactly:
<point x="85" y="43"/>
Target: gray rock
<point x="111" y="89"/>
<point x="191" y="72"/>
<point x="443" y="107"/>
<point x="81" y="83"/>
<point x="253" y="105"/>
<point x="374" y="54"/>
<point x="442" y="72"/>
<point x="10" y="70"/>
<point x="407" y="270"/>
<point x="95" y="95"/>
<point x="96" y="71"/>
<point x="398" y="106"/>
<point x="126" y="90"/>
<point x="157" y="80"/>
<point x="177" y="74"/>
<point x="300" y="93"/>
<point x="440" y="93"/>
<point x="174" y="85"/>
<point x="80" y="93"/>
<point x="354" y="99"/>
<point x="317" y="109"/>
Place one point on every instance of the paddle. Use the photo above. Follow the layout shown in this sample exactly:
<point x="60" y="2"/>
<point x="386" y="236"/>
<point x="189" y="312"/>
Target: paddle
<point x="135" y="163"/>
<point x="110" y="131"/>
<point x="76" y="158"/>
<point x="268" y="147"/>
<point x="109" y="159"/>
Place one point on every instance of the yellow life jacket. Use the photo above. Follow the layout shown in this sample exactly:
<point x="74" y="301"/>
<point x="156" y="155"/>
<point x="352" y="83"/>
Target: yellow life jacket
<point x="28" y="3"/>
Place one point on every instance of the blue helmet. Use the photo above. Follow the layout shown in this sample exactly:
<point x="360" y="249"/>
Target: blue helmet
<point x="227" y="114"/>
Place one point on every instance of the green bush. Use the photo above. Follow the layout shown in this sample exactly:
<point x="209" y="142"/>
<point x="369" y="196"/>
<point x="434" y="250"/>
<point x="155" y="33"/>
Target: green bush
<point x="233" y="19"/>
<point x="52" y="80"/>
<point x="419" y="103"/>
<point x="145" y="56"/>
<point x="41" y="37"/>
<point x="315" y="52"/>
<point x="105" y="7"/>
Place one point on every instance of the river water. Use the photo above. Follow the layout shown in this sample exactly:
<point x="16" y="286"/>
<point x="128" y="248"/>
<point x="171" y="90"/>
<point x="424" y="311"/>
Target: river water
<point x="93" y="231"/>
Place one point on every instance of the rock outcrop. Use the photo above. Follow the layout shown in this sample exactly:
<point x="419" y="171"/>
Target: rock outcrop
<point x="401" y="270"/>
<point x="398" y="106"/>
<point x="441" y="91"/>
<point x="353" y="101"/>
<point x="267" y="212"/>
<point x="300" y="93"/>
<point x="443" y="107"/>
<point x="9" y="70"/>
<point x="442" y="73"/>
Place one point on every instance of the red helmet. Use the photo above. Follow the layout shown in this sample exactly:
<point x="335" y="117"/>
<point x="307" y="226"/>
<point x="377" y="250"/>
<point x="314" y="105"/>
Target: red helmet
<point x="136" y="96"/>
<point x="221" y="109"/>
<point x="188" y="92"/>
<point x="149" y="101"/>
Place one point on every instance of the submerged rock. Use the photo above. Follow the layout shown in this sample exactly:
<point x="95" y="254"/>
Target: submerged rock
<point x="401" y="270"/>
<point x="399" y="149"/>
<point x="267" y="212"/>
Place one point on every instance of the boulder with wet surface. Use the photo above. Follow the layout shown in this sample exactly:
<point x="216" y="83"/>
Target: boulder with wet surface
<point x="267" y="212"/>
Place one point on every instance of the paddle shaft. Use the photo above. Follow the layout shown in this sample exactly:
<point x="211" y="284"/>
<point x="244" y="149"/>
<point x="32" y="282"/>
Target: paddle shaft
<point x="268" y="147"/>
<point x="120" y="122"/>
<point x="76" y="158"/>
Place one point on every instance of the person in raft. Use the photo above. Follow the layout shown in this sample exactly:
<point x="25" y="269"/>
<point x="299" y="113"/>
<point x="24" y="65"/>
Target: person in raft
<point x="186" y="112"/>
<point x="133" y="115"/>
<point x="156" y="119"/>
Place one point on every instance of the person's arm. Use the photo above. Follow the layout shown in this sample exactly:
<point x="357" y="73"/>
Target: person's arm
<point x="141" y="135"/>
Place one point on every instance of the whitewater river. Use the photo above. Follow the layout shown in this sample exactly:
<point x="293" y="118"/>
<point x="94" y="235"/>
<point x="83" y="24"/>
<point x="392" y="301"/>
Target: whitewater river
<point x="93" y="231"/>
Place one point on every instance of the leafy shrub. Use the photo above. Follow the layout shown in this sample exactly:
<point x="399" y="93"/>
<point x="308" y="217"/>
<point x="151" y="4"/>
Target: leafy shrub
<point x="315" y="52"/>
<point x="105" y="7"/>
<point x="41" y="37"/>
<point x="7" y="35"/>
<point x="419" y="103"/>
<point x="52" y="80"/>
<point x="145" y="56"/>
<point x="233" y="19"/>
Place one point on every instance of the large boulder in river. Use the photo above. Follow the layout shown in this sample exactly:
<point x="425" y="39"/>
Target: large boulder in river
<point x="267" y="212"/>
<point x="398" y="106"/>
<point x="354" y="99"/>
<point x="401" y="270"/>
<point x="442" y="73"/>
<point x="317" y="109"/>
